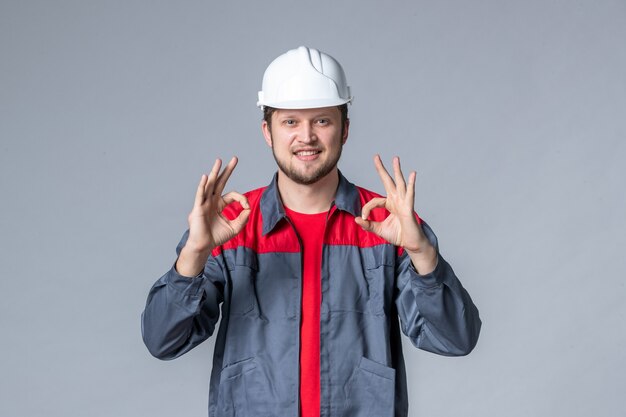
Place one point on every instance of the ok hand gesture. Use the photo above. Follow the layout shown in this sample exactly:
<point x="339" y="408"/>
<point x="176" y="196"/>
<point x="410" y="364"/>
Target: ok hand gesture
<point x="208" y="227"/>
<point x="400" y="227"/>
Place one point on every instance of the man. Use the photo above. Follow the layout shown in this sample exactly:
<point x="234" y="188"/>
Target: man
<point x="315" y="277"/>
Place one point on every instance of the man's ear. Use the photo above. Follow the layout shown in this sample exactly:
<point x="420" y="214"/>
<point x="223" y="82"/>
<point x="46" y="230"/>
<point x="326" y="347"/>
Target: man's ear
<point x="266" y="133"/>
<point x="346" y="129"/>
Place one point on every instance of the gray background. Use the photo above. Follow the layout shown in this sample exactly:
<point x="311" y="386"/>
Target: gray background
<point x="512" y="112"/>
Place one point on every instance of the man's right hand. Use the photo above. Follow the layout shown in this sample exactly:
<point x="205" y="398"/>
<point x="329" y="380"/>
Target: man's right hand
<point x="208" y="227"/>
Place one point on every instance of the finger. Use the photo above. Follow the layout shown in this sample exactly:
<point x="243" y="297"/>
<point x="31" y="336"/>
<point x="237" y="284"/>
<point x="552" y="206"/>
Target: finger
<point x="373" y="203"/>
<point x="200" y="191"/>
<point x="210" y="185"/>
<point x="238" y="222"/>
<point x="384" y="175"/>
<point x="224" y="176"/>
<point x="411" y="187"/>
<point x="235" y="196"/>
<point x="399" y="177"/>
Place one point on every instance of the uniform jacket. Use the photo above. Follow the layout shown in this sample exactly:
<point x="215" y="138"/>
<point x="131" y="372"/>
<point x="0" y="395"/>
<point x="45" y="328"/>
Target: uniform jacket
<point x="370" y="292"/>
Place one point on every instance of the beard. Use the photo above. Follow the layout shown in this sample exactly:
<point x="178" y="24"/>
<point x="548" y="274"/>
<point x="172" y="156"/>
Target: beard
<point x="303" y="178"/>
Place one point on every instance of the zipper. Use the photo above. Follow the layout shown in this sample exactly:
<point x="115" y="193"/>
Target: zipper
<point x="324" y="267"/>
<point x="299" y="312"/>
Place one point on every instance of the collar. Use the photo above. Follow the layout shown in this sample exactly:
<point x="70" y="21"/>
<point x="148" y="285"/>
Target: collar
<point x="273" y="211"/>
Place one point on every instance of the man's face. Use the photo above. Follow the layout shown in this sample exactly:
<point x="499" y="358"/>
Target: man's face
<point x="306" y="143"/>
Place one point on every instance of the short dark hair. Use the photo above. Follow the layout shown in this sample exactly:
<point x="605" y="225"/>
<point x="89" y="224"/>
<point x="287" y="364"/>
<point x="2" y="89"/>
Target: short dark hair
<point x="268" y="111"/>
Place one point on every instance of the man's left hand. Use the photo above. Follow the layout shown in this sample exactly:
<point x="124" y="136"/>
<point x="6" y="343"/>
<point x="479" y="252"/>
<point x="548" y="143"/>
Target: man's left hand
<point x="401" y="227"/>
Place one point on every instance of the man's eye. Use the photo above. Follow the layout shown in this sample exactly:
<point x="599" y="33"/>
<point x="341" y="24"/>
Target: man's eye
<point x="322" y="121"/>
<point x="290" y="122"/>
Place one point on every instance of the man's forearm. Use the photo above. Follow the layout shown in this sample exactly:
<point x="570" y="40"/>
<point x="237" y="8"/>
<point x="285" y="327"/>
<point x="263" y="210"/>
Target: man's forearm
<point x="424" y="261"/>
<point x="191" y="262"/>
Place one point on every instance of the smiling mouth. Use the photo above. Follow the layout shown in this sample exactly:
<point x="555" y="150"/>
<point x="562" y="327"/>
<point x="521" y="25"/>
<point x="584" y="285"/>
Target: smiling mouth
<point x="307" y="153"/>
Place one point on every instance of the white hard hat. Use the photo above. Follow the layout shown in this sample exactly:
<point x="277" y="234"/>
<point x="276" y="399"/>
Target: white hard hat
<point x="304" y="78"/>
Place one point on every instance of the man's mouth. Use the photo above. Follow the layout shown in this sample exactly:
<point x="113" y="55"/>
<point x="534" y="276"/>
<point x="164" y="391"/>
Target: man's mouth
<point x="307" y="153"/>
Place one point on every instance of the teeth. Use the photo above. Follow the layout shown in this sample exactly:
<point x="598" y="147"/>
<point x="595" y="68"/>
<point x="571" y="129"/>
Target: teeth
<point x="306" y="153"/>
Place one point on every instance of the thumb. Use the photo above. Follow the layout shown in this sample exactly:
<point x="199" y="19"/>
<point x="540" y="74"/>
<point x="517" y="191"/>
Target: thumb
<point x="362" y="222"/>
<point x="240" y="221"/>
<point x="368" y="225"/>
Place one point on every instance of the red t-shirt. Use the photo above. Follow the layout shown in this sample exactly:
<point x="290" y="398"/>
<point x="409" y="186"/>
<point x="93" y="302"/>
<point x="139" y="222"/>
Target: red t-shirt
<point x="310" y="227"/>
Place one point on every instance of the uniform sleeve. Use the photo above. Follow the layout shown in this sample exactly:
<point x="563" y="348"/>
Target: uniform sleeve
<point x="182" y="312"/>
<point x="436" y="312"/>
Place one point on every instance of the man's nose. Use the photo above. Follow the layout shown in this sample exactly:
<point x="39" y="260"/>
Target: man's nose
<point x="307" y="133"/>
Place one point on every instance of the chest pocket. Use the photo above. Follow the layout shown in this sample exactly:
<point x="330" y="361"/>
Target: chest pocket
<point x="243" y="268"/>
<point x="379" y="266"/>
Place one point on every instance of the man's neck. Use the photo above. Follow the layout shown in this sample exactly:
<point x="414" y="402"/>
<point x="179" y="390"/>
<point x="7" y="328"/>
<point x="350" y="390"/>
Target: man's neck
<point x="308" y="199"/>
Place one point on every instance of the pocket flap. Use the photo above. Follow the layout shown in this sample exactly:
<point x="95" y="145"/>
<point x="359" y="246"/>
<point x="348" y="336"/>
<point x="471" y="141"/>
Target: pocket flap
<point x="377" y="368"/>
